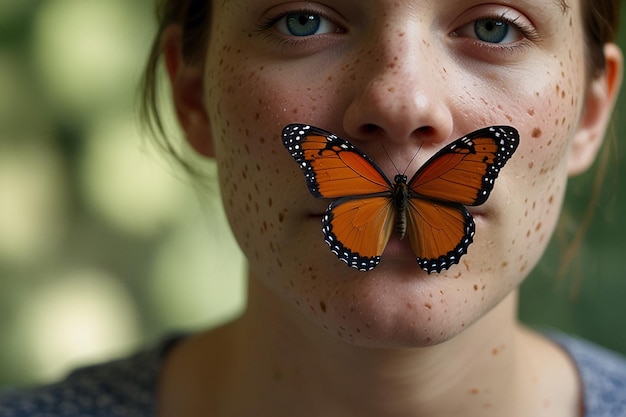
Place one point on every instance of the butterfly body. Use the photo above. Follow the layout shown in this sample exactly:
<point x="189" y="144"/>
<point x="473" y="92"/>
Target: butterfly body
<point x="400" y="198"/>
<point x="429" y="208"/>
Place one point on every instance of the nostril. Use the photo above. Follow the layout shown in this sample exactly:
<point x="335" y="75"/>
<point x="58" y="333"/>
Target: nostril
<point x="425" y="131"/>
<point x="369" y="128"/>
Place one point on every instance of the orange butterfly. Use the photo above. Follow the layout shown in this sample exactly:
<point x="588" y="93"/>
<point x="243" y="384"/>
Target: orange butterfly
<point x="429" y="208"/>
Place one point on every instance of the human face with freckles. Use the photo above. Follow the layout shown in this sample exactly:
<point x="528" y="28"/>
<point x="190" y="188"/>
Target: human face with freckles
<point x="395" y="78"/>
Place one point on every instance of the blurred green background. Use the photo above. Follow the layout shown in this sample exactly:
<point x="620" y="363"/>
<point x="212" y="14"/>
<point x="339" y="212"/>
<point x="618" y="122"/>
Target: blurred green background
<point x="106" y="247"/>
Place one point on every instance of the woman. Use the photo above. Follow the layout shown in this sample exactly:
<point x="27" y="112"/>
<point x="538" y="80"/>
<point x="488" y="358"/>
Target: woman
<point x="400" y="80"/>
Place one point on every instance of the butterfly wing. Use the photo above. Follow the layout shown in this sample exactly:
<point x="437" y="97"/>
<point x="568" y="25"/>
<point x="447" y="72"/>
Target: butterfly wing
<point x="439" y="233"/>
<point x="358" y="229"/>
<point x="358" y="223"/>
<point x="462" y="173"/>
<point x="332" y="166"/>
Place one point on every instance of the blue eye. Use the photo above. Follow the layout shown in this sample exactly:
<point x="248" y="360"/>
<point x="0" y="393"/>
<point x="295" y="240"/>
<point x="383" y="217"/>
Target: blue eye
<point x="496" y="30"/>
<point x="491" y="30"/>
<point x="303" y="24"/>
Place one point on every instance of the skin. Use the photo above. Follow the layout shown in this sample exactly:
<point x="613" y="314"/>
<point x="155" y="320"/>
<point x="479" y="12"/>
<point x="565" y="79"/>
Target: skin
<point x="319" y="338"/>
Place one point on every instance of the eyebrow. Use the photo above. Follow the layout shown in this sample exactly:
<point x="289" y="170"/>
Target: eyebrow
<point x="563" y="5"/>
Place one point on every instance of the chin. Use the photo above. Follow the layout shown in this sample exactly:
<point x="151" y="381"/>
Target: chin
<point x="397" y="305"/>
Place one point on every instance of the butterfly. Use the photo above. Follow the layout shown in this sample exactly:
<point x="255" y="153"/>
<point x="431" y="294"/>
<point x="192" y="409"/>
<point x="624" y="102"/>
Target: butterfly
<point x="429" y="208"/>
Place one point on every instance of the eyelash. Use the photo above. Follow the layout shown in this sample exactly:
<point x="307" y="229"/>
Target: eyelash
<point x="269" y="23"/>
<point x="527" y="31"/>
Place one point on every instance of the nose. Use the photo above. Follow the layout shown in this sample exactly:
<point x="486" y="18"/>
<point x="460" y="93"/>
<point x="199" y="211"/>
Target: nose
<point x="401" y="96"/>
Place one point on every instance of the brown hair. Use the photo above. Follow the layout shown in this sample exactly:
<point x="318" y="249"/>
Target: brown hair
<point x="601" y="19"/>
<point x="194" y="18"/>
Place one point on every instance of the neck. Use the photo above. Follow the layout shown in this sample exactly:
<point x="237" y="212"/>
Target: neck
<point x="476" y="372"/>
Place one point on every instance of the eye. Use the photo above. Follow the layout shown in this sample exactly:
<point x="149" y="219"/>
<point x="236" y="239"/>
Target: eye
<point x="492" y="30"/>
<point x="303" y="24"/>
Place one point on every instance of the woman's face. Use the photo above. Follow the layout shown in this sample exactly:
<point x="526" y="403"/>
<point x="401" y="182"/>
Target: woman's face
<point x="403" y="74"/>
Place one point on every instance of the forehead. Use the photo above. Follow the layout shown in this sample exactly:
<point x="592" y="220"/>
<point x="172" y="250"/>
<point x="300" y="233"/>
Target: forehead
<point x="564" y="5"/>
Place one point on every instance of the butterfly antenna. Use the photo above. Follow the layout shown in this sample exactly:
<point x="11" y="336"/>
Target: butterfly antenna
<point x="410" y="162"/>
<point x="413" y="159"/>
<point x="390" y="159"/>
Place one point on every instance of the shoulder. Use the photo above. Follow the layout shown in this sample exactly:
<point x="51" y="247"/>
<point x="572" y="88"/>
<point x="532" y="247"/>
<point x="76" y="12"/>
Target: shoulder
<point x="602" y="373"/>
<point x="120" y="388"/>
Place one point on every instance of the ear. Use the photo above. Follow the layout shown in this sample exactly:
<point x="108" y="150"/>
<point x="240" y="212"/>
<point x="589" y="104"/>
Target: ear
<point x="187" y="92"/>
<point x="598" y="106"/>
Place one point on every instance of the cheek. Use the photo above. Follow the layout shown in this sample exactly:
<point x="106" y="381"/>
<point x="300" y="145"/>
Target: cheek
<point x="534" y="181"/>
<point x="244" y="146"/>
<point x="263" y="190"/>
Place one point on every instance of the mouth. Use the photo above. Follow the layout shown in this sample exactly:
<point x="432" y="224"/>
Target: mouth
<point x="398" y="249"/>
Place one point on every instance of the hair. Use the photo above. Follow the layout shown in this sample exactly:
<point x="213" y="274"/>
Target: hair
<point x="193" y="16"/>
<point x="601" y="20"/>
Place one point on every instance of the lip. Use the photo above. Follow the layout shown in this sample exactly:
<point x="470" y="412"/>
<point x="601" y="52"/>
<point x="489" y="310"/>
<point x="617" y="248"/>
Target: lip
<point x="397" y="249"/>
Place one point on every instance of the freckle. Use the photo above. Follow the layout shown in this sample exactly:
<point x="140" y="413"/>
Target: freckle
<point x="536" y="133"/>
<point x="475" y="287"/>
<point x="528" y="233"/>
<point x="504" y="264"/>
<point x="524" y="267"/>
<point x="495" y="351"/>
<point x="281" y="217"/>
<point x="474" y="391"/>
<point x="551" y="199"/>
<point x="538" y="226"/>
<point x="323" y="306"/>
